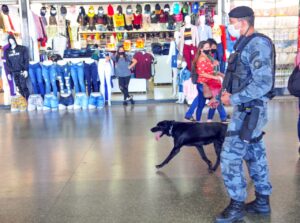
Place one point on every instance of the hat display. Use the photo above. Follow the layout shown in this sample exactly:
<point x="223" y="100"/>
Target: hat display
<point x="63" y="11"/>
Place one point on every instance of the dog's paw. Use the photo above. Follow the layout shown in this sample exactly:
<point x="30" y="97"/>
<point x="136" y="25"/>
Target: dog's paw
<point x="158" y="166"/>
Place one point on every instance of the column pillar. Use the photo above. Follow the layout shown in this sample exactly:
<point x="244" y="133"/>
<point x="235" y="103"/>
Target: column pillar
<point x="24" y="10"/>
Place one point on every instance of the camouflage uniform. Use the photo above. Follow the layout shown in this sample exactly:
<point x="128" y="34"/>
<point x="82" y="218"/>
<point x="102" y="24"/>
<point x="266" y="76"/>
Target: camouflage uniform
<point x="256" y="59"/>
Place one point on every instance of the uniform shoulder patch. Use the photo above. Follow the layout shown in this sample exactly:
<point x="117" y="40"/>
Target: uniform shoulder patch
<point x="257" y="64"/>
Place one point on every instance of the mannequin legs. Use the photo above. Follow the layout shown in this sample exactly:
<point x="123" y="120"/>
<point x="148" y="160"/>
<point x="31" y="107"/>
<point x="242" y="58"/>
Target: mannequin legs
<point x="175" y="74"/>
<point x="106" y="79"/>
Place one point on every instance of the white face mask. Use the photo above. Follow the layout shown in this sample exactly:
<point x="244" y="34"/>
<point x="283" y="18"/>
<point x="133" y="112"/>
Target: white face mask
<point x="233" y="31"/>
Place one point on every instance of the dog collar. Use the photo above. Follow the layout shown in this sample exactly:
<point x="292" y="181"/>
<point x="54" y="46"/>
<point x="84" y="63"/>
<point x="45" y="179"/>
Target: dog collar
<point x="171" y="129"/>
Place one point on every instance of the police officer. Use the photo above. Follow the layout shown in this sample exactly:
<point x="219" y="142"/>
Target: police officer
<point x="247" y="88"/>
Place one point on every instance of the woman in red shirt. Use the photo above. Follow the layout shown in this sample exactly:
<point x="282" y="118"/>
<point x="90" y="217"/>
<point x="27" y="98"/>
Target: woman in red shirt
<point x="204" y="67"/>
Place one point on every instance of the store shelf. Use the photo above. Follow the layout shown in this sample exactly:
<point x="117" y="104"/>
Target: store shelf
<point x="123" y="31"/>
<point x="9" y="2"/>
<point x="90" y="2"/>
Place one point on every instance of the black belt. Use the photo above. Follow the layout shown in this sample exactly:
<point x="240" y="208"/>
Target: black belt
<point x="249" y="105"/>
<point x="252" y="141"/>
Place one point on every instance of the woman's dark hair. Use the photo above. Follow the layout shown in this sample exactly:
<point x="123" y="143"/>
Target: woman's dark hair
<point x="200" y="47"/>
<point x="212" y="42"/>
<point x="118" y="53"/>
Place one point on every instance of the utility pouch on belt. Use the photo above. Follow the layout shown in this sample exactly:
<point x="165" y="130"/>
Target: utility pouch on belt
<point x="249" y="125"/>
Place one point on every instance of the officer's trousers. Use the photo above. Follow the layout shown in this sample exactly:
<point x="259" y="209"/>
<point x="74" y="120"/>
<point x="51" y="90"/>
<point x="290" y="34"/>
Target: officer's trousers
<point x="235" y="151"/>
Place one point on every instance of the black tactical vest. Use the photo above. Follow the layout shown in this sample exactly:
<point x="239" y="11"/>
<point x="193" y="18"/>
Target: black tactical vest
<point x="238" y="74"/>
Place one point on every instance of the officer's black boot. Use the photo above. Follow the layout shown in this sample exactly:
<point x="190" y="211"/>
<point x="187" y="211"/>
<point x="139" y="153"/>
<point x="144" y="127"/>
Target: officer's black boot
<point x="234" y="212"/>
<point x="261" y="205"/>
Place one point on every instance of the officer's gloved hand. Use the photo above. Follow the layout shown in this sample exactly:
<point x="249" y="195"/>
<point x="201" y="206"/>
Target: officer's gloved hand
<point x="24" y="73"/>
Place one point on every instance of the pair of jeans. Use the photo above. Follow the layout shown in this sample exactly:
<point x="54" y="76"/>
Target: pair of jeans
<point x="35" y="102"/>
<point x="49" y="75"/>
<point x="123" y="85"/>
<point x="77" y="73"/>
<point x="21" y="84"/>
<point x="120" y="28"/>
<point x="198" y="103"/>
<point x="96" y="101"/>
<point x="220" y="52"/>
<point x="66" y="100"/>
<point x="91" y="76"/>
<point x="36" y="77"/>
<point x="18" y="103"/>
<point x="64" y="78"/>
<point x="81" y="101"/>
<point x="100" y="27"/>
<point x="50" y="101"/>
<point x="189" y="52"/>
<point x="221" y="110"/>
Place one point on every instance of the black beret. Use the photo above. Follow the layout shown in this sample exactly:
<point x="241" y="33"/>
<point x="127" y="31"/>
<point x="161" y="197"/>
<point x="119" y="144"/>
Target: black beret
<point x="240" y="12"/>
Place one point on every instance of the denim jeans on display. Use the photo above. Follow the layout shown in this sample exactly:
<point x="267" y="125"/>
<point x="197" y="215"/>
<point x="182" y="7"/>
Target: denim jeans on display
<point x="35" y="102"/>
<point x="66" y="101"/>
<point x="96" y="101"/>
<point x="81" y="101"/>
<point x="91" y="76"/>
<point x="36" y="77"/>
<point x="64" y="78"/>
<point x="50" y="101"/>
<point x="77" y="73"/>
<point x="49" y="75"/>
<point x="120" y="28"/>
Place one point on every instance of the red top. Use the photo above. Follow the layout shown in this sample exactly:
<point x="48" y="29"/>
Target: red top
<point x="110" y="10"/>
<point x="204" y="66"/>
<point x="178" y="18"/>
<point x="143" y="66"/>
<point x="137" y="19"/>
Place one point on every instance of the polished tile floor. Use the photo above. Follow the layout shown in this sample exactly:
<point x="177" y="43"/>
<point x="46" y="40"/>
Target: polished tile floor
<point x="99" y="166"/>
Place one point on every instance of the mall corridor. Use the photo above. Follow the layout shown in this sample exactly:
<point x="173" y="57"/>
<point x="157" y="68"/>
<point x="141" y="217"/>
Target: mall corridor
<point x="99" y="167"/>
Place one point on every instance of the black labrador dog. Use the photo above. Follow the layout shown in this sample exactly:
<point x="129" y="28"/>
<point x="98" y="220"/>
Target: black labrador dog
<point x="192" y="134"/>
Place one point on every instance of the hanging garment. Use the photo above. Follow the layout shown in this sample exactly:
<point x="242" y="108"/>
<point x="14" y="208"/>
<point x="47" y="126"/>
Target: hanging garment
<point x="119" y="20"/>
<point x="105" y="71"/>
<point x="143" y="66"/>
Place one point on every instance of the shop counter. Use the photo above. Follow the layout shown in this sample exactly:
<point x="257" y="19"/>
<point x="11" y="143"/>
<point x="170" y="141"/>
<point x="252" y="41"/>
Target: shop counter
<point x="135" y="85"/>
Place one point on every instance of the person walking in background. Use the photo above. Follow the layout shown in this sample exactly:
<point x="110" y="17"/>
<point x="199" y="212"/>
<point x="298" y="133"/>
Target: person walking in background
<point x="220" y="108"/>
<point x="123" y="65"/>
